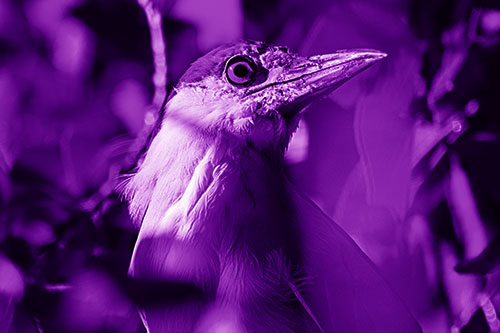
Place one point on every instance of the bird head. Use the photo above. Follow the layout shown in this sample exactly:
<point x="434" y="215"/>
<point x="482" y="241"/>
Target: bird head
<point x="257" y="92"/>
<point x="239" y="98"/>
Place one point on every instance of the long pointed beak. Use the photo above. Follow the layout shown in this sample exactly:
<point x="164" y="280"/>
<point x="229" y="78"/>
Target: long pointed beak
<point x="306" y="79"/>
<point x="328" y="71"/>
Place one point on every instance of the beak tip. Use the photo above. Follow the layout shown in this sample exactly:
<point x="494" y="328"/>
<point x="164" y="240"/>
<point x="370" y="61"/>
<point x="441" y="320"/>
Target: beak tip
<point x="376" y="55"/>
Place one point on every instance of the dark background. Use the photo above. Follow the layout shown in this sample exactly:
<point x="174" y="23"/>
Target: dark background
<point x="405" y="157"/>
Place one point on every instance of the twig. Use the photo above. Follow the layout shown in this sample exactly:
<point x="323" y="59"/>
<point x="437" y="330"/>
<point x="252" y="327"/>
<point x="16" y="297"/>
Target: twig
<point x="158" y="48"/>
<point x="159" y="51"/>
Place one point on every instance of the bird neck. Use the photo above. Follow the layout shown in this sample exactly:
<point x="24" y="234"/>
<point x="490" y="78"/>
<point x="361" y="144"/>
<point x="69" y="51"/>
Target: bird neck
<point x="176" y="152"/>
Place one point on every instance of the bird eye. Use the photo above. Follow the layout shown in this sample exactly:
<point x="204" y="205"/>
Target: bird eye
<point x="240" y="70"/>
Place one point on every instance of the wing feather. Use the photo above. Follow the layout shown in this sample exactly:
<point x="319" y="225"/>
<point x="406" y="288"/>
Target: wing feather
<point x="347" y="293"/>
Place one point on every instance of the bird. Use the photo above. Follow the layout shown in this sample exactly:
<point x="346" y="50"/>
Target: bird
<point x="215" y="208"/>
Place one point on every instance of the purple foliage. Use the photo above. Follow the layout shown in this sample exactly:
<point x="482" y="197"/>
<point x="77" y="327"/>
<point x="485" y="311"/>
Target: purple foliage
<point x="403" y="157"/>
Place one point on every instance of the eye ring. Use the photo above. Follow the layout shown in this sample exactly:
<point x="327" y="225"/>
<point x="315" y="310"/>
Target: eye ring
<point x="240" y="71"/>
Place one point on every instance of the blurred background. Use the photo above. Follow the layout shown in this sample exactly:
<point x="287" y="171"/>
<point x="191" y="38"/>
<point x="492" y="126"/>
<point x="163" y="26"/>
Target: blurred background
<point x="405" y="157"/>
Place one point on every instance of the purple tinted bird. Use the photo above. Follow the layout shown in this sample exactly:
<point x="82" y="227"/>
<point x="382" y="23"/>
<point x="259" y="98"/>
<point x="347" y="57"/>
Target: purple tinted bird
<point x="218" y="212"/>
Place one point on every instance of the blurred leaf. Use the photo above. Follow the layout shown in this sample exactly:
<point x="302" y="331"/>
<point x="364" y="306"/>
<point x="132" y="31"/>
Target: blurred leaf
<point x="11" y="291"/>
<point x="5" y="190"/>
<point x="164" y="6"/>
<point x="128" y="102"/>
<point x="490" y="21"/>
<point x="38" y="233"/>
<point x="468" y="223"/>
<point x="483" y="263"/>
<point x="462" y="291"/>
<point x="217" y="21"/>
<point x="12" y="281"/>
<point x="456" y="41"/>
<point x="73" y="48"/>
<point x="95" y="304"/>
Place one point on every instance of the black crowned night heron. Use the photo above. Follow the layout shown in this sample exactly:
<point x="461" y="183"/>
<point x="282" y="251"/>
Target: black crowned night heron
<point x="217" y="211"/>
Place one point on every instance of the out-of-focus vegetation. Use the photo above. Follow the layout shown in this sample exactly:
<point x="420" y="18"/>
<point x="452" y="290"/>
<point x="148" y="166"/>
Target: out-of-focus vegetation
<point x="405" y="157"/>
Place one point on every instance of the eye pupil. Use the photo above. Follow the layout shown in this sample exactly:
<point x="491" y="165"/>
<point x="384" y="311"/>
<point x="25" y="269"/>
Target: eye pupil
<point x="241" y="70"/>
